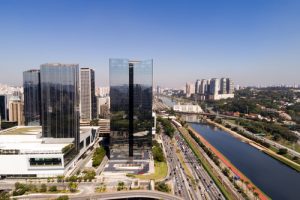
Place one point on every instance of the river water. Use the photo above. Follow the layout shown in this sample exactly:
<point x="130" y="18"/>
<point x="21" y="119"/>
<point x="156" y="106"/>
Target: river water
<point x="277" y="180"/>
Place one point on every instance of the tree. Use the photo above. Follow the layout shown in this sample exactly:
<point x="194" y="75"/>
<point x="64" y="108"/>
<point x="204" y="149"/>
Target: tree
<point x="43" y="188"/>
<point x="73" y="178"/>
<point x="158" y="129"/>
<point x="60" y="179"/>
<point x="256" y="195"/>
<point x="282" y="151"/>
<point x="162" y="187"/>
<point x="247" y="185"/>
<point x="89" y="174"/>
<point x="225" y="171"/>
<point x="53" y="188"/>
<point x="4" y="196"/>
<point x="158" y="154"/>
<point x="73" y="186"/>
<point x="121" y="185"/>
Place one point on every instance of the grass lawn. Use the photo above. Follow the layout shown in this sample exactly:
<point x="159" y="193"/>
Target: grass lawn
<point x="231" y="121"/>
<point x="161" y="171"/>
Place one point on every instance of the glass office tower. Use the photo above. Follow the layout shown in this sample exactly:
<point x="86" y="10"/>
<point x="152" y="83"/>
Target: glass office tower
<point x="32" y="97"/>
<point x="60" y="101"/>
<point x="3" y="108"/>
<point x="131" y="108"/>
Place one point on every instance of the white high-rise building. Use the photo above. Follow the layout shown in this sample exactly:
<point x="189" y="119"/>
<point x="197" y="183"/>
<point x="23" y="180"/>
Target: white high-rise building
<point x="204" y="87"/>
<point x="190" y="89"/>
<point x="16" y="110"/>
<point x="214" y="86"/>
<point x="197" y="87"/>
<point x="223" y="86"/>
<point x="229" y="86"/>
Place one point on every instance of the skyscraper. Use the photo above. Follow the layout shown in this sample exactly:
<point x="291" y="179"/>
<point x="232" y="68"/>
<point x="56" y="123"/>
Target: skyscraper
<point x="88" y="107"/>
<point x="190" y="89"/>
<point x="3" y="107"/>
<point x="223" y="86"/>
<point x="60" y="101"/>
<point x="204" y="87"/>
<point x="197" y="86"/>
<point x="214" y="86"/>
<point x="32" y="97"/>
<point x="131" y="107"/>
<point x="16" y="110"/>
<point x="229" y="86"/>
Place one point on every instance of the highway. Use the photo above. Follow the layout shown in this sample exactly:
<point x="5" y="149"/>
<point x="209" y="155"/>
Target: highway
<point x="206" y="186"/>
<point x="181" y="185"/>
<point x="108" y="195"/>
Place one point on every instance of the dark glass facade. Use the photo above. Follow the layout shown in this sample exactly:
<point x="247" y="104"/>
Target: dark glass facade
<point x="60" y="101"/>
<point x="32" y="97"/>
<point x="3" y="108"/>
<point x="131" y="107"/>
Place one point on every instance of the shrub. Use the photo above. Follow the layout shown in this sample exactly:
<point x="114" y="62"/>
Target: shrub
<point x="162" y="187"/>
<point x="43" y="188"/>
<point x="98" y="156"/>
<point x="53" y="188"/>
<point x="64" y="197"/>
<point x="282" y="151"/>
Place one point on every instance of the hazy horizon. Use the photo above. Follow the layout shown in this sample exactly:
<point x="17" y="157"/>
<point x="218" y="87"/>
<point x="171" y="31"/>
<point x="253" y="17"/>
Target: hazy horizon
<point x="253" y="42"/>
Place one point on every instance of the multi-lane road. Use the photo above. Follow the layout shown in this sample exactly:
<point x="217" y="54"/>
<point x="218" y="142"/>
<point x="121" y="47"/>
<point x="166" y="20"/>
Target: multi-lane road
<point x="176" y="174"/>
<point x="106" y="196"/>
<point x="205" y="184"/>
<point x="203" y="187"/>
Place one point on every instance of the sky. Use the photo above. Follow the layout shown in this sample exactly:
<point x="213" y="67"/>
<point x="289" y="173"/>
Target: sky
<point x="254" y="42"/>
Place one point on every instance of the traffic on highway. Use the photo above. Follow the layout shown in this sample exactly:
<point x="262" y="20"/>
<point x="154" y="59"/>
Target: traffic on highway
<point x="203" y="187"/>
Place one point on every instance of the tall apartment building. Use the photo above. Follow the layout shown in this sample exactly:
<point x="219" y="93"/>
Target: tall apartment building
<point x="131" y="120"/>
<point x="16" y="110"/>
<point x="60" y="101"/>
<point x="88" y="107"/>
<point x="103" y="105"/>
<point x="32" y="97"/>
<point x="189" y="89"/>
<point x="197" y="87"/>
<point x="223" y="86"/>
<point x="204" y="86"/>
<point x="229" y="86"/>
<point x="214" y="86"/>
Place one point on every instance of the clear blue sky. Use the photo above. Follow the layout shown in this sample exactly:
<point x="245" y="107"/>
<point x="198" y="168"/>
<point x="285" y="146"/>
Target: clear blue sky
<point x="252" y="41"/>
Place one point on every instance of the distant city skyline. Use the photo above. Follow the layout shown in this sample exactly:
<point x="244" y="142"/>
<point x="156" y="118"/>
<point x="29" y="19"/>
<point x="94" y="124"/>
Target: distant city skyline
<point x="253" y="42"/>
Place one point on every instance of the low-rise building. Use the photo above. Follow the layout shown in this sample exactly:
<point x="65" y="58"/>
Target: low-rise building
<point x="189" y="108"/>
<point x="25" y="153"/>
<point x="221" y="96"/>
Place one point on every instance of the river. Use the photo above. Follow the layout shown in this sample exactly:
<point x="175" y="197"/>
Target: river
<point x="277" y="180"/>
